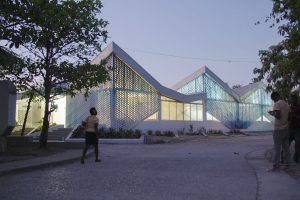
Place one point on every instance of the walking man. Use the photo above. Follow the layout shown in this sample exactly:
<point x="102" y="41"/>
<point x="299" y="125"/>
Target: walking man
<point x="91" y="134"/>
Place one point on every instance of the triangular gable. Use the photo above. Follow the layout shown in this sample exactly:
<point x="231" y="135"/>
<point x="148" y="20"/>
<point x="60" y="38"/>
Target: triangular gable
<point x="200" y="72"/>
<point x="114" y="48"/>
<point x="241" y="91"/>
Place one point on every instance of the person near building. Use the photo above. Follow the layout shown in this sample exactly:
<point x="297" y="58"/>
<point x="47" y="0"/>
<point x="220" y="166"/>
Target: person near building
<point x="294" y="125"/>
<point x="91" y="134"/>
<point x="281" y="132"/>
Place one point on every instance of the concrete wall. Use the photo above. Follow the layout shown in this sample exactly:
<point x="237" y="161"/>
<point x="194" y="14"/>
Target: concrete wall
<point x="260" y="126"/>
<point x="7" y="111"/>
<point x="176" y="126"/>
<point x="35" y="112"/>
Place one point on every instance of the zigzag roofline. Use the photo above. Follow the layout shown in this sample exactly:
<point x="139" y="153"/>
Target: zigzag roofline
<point x="244" y="90"/>
<point x="201" y="71"/>
<point x="113" y="48"/>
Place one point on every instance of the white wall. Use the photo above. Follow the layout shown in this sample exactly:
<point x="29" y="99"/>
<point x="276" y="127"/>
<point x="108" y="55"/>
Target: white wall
<point x="176" y="126"/>
<point x="7" y="105"/>
<point x="260" y="126"/>
<point x="59" y="116"/>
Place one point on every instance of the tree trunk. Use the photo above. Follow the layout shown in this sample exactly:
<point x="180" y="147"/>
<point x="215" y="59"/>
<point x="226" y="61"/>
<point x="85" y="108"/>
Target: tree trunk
<point x="26" y="114"/>
<point x="44" y="132"/>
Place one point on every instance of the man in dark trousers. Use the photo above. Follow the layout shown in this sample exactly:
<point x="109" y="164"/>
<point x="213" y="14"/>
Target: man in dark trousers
<point x="294" y="125"/>
<point x="281" y="132"/>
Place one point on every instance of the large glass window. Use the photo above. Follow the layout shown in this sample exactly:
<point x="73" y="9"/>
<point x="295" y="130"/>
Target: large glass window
<point x="173" y="115"/>
<point x="187" y="111"/>
<point x="179" y="109"/>
<point x="165" y="110"/>
<point x="152" y="117"/>
<point x="173" y="110"/>
<point x="193" y="112"/>
<point x="199" y="112"/>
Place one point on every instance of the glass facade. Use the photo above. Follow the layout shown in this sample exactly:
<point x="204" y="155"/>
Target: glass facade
<point x="123" y="102"/>
<point x="129" y="99"/>
<point x="221" y="106"/>
<point x="77" y="108"/>
<point x="134" y="98"/>
<point x="255" y="107"/>
<point x="193" y="87"/>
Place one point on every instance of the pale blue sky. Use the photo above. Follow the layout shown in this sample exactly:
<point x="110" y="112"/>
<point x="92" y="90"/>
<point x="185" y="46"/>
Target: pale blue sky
<point x="211" y="30"/>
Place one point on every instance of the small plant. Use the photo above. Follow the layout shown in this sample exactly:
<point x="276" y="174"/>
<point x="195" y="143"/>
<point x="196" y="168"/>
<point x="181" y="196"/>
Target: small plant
<point x="130" y="133"/>
<point x="121" y="133"/>
<point x="40" y="124"/>
<point x="180" y="132"/>
<point x="52" y="124"/>
<point x="101" y="132"/>
<point x="157" y="133"/>
<point x="138" y="133"/>
<point x="169" y="134"/>
<point x="191" y="129"/>
<point x="149" y="132"/>
<point x="78" y="132"/>
<point x="111" y="133"/>
<point x="215" y="132"/>
<point x="235" y="131"/>
<point x="201" y="130"/>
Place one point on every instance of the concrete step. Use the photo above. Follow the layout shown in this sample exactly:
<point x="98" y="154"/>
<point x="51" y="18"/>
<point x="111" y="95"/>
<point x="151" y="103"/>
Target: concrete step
<point x="59" y="134"/>
<point x="18" y="132"/>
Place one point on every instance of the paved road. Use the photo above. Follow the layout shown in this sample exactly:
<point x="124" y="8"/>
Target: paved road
<point x="213" y="168"/>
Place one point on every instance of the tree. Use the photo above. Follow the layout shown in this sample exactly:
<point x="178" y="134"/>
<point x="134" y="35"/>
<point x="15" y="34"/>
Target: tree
<point x="57" y="40"/>
<point x="237" y="86"/>
<point x="281" y="62"/>
<point x="32" y="97"/>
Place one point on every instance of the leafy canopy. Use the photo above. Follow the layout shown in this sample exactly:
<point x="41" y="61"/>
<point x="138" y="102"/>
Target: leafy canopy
<point x="55" y="41"/>
<point x="281" y="62"/>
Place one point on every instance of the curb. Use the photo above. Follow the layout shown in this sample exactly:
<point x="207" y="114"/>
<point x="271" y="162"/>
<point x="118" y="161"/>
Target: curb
<point x="41" y="165"/>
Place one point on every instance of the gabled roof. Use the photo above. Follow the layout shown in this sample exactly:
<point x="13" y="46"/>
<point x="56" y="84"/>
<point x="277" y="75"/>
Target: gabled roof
<point x="241" y="91"/>
<point x="200" y="72"/>
<point x="113" y="48"/>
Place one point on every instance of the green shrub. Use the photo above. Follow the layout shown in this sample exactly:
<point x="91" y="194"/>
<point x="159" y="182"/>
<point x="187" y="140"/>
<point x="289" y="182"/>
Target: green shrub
<point x="201" y="130"/>
<point x="149" y="132"/>
<point x="130" y="134"/>
<point x="78" y="132"/>
<point x="181" y="132"/>
<point x="191" y="129"/>
<point x="215" y="132"/>
<point x="138" y="133"/>
<point x="101" y="132"/>
<point x="169" y="134"/>
<point x="109" y="133"/>
<point x="157" y="133"/>
<point x="235" y="131"/>
<point x="121" y="133"/>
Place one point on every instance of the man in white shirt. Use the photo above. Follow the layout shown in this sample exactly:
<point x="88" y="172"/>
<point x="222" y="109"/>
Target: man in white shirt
<point x="91" y="134"/>
<point x="281" y="132"/>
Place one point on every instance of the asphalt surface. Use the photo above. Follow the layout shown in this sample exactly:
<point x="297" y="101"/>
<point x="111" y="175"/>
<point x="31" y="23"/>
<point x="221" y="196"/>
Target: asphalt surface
<point x="234" y="168"/>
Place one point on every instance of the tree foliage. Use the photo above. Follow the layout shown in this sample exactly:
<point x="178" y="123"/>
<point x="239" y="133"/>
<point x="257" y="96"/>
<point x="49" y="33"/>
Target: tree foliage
<point x="281" y="62"/>
<point x="55" y="40"/>
<point x="236" y="86"/>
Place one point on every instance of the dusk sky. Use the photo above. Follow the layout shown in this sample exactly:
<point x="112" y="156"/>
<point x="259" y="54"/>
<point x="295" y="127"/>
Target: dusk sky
<point x="171" y="39"/>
